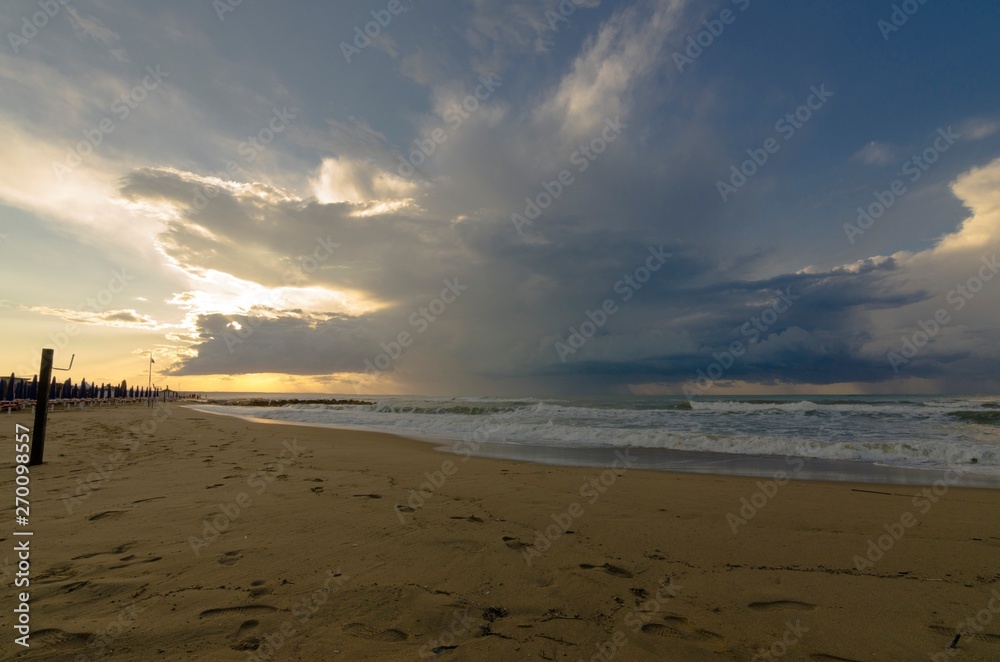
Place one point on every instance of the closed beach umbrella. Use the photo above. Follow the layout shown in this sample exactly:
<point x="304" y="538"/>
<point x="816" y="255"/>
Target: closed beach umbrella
<point x="9" y="391"/>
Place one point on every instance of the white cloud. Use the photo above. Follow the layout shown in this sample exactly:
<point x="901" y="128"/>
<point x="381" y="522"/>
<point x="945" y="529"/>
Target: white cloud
<point x="978" y="128"/>
<point x="627" y="47"/>
<point x="356" y="181"/>
<point x="979" y="190"/>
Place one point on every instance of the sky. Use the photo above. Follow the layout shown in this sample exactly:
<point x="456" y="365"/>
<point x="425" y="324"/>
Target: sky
<point x="509" y="197"/>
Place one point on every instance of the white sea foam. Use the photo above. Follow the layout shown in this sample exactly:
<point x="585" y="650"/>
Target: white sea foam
<point x="894" y="432"/>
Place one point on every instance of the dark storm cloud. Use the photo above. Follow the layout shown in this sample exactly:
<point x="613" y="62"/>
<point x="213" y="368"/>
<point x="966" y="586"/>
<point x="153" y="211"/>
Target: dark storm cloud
<point x="526" y="293"/>
<point x="286" y="344"/>
<point x="803" y="327"/>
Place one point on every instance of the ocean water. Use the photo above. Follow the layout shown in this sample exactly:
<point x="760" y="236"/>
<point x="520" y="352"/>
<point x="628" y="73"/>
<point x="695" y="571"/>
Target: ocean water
<point x="896" y="439"/>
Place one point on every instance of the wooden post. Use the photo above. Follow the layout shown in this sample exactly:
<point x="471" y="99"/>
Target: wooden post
<point x="41" y="408"/>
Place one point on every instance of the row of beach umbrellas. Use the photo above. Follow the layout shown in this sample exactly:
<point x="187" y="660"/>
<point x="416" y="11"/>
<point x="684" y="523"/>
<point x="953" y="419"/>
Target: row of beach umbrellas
<point x="21" y="388"/>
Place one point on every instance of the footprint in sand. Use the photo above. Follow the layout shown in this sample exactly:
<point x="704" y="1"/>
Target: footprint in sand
<point x="678" y="627"/>
<point x="59" y="573"/>
<point x="364" y="632"/>
<point x="641" y="595"/>
<point x="230" y="558"/>
<point x="370" y="496"/>
<point x="405" y="509"/>
<point x="245" y="610"/>
<point x="258" y="589"/>
<point x="316" y="490"/>
<point x="106" y="513"/>
<point x="781" y="604"/>
<point x="824" y="657"/>
<point x="470" y="518"/>
<point x="514" y="543"/>
<point x="149" y="499"/>
<point x="610" y="569"/>
<point x="151" y="559"/>
<point x="248" y="644"/>
<point x="69" y="588"/>
<point x="544" y="579"/>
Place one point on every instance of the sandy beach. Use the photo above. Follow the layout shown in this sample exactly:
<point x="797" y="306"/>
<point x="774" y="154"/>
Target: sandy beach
<point x="178" y="535"/>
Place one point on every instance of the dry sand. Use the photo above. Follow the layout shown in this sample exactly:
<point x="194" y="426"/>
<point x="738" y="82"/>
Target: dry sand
<point x="651" y="570"/>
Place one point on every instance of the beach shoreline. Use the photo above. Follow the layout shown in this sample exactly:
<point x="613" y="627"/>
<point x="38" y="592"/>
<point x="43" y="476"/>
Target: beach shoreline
<point x="174" y="534"/>
<point x="793" y="467"/>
